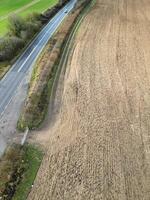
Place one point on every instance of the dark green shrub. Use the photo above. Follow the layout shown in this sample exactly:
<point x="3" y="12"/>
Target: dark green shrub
<point x="16" y="25"/>
<point x="9" y="46"/>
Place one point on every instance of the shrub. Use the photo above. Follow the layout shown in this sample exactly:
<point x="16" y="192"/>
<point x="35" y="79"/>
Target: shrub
<point x="9" y="47"/>
<point x="32" y="17"/>
<point x="16" y="25"/>
<point x="33" y="23"/>
<point x="31" y="29"/>
<point x="24" y="28"/>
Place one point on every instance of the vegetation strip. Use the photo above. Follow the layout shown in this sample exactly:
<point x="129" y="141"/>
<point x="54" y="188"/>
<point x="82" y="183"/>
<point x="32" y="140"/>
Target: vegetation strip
<point x="45" y="71"/>
<point x="18" y="169"/>
<point x="32" y="160"/>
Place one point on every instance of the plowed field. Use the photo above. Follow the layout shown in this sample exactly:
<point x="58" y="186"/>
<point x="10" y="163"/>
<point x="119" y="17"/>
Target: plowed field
<point x="99" y="147"/>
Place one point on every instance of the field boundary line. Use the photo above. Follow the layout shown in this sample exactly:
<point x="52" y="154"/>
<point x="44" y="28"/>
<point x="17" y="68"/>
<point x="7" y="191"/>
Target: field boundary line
<point x="65" y="54"/>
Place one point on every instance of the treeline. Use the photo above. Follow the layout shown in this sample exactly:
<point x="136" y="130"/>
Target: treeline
<point x="21" y="31"/>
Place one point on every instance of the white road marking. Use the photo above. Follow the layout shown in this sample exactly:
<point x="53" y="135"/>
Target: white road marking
<point x="52" y="26"/>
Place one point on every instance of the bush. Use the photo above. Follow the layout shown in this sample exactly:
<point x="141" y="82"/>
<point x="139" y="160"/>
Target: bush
<point x="33" y="24"/>
<point x="24" y="28"/>
<point x="8" y="163"/>
<point x="9" y="46"/>
<point x="16" y="25"/>
<point x="32" y="17"/>
<point x="31" y="29"/>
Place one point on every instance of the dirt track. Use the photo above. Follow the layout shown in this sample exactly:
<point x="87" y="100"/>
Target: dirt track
<point x="99" y="147"/>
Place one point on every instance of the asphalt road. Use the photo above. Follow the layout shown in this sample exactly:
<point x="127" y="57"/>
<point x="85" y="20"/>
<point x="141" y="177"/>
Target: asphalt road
<point x="14" y="77"/>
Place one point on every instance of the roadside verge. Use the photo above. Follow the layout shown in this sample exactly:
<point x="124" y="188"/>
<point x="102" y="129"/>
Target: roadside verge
<point x="47" y="69"/>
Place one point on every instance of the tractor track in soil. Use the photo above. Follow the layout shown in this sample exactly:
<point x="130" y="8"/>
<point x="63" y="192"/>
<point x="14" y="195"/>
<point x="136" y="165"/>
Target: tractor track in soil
<point x="99" y="146"/>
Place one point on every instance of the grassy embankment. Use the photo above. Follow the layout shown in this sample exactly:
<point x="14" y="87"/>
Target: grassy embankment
<point x="44" y="74"/>
<point x="18" y="169"/>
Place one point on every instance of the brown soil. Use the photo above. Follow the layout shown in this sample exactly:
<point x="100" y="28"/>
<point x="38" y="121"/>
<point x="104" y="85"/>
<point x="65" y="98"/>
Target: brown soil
<point x="99" y="147"/>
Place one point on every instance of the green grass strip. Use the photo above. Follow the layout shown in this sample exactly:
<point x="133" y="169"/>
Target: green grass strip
<point x="31" y="162"/>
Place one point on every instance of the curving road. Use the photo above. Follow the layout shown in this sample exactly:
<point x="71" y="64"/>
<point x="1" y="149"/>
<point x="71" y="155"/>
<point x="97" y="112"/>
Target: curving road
<point x="11" y="81"/>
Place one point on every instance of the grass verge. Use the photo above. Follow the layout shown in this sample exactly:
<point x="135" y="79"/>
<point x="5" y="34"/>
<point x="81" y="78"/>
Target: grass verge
<point x="18" y="169"/>
<point x="4" y="67"/>
<point x="44" y="73"/>
<point x="8" y="163"/>
<point x="31" y="162"/>
<point x="42" y="79"/>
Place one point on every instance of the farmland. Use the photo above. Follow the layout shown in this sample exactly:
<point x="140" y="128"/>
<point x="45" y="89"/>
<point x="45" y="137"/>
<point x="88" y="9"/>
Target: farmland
<point x="8" y="7"/>
<point x="99" y="146"/>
